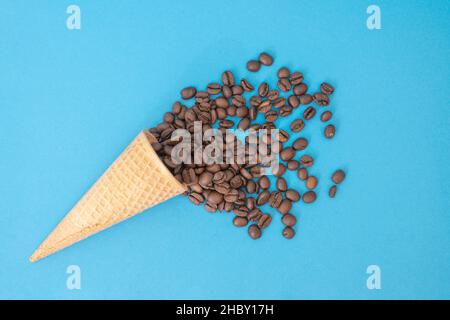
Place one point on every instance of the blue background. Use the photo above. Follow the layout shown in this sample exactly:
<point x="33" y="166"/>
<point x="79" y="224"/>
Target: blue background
<point x="70" y="101"/>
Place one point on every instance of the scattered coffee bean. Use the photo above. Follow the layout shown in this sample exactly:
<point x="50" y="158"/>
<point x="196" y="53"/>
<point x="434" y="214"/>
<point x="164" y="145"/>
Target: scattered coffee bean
<point x="338" y="176"/>
<point x="279" y="170"/>
<point x="309" y="113"/>
<point x="285" y="206"/>
<point x="240" y="221"/>
<point x="300" y="144"/>
<point x="263" y="198"/>
<point x="306" y="160"/>
<point x="329" y="131"/>
<point x="296" y="78"/>
<point x="214" y="88"/>
<point x="311" y="182"/>
<point x="309" y="197"/>
<point x="305" y="99"/>
<point x="284" y="84"/>
<point x="293" y="165"/>
<point x="265" y="59"/>
<point x="254" y="232"/>
<point x="247" y="86"/>
<point x="253" y="66"/>
<point x="288" y="233"/>
<point x="228" y="78"/>
<point x="275" y="199"/>
<point x="264" y="182"/>
<point x="297" y="125"/>
<point x="302" y="174"/>
<point x="264" y="221"/>
<point x="281" y="184"/>
<point x="289" y="220"/>
<point x="263" y="89"/>
<point x="287" y="154"/>
<point x="300" y="89"/>
<point x="332" y="191"/>
<point x="326" y="116"/>
<point x="293" y="101"/>
<point x="188" y="93"/>
<point x="283" y="72"/>
<point x="292" y="195"/>
<point x="321" y="99"/>
<point x="326" y="88"/>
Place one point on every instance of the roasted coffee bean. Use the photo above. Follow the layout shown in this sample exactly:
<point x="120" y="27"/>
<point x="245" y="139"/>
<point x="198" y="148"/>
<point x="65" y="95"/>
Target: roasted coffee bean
<point x="292" y="195"/>
<point x="293" y="101"/>
<point x="222" y="187"/>
<point x="157" y="146"/>
<point x="321" y="99"/>
<point x="300" y="144"/>
<point x="221" y="113"/>
<point x="287" y="154"/>
<point x="288" y="233"/>
<point x="228" y="206"/>
<point x="240" y="221"/>
<point x="281" y="184"/>
<point x="272" y="95"/>
<point x="300" y="89"/>
<point x="264" y="221"/>
<point x="289" y="220"/>
<point x="264" y="182"/>
<point x="221" y="102"/>
<point x="237" y="90"/>
<point x="306" y="160"/>
<point x="302" y="174"/>
<point x="279" y="170"/>
<point x="264" y="106"/>
<point x="245" y="173"/>
<point x="332" y="191"/>
<point x="285" y="111"/>
<point x="251" y="186"/>
<point x="262" y="198"/>
<point x="228" y="78"/>
<point x="244" y="124"/>
<point x="231" y="196"/>
<point x="297" y="125"/>
<point x="255" y="101"/>
<point x="329" y="131"/>
<point x="253" y="66"/>
<point x="338" y="176"/>
<point x="311" y="182"/>
<point x="253" y="113"/>
<point x="214" y="88"/>
<point x="241" y="211"/>
<point x="283" y="136"/>
<point x="176" y="108"/>
<point x="279" y="102"/>
<point x="214" y="197"/>
<point x="188" y="93"/>
<point x="285" y="206"/>
<point x="196" y="198"/>
<point x="326" y="116"/>
<point x="210" y="207"/>
<point x="254" y="214"/>
<point x="205" y="179"/>
<point x="293" y="165"/>
<point x="271" y="116"/>
<point x="326" y="88"/>
<point x="284" y="85"/>
<point x="296" y="78"/>
<point x="254" y="232"/>
<point x="275" y="199"/>
<point x="265" y="59"/>
<point x="250" y="203"/>
<point x="309" y="197"/>
<point x="283" y="72"/>
<point x="242" y="112"/>
<point x="238" y="101"/>
<point x="231" y="111"/>
<point x="305" y="98"/>
<point x="309" y="113"/>
<point x="263" y="89"/>
<point x="246" y="85"/>
<point x="226" y="124"/>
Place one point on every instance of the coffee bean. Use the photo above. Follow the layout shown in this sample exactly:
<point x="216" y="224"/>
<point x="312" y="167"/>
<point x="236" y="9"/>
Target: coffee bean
<point x="284" y="85"/>
<point x="253" y="113"/>
<point x="311" y="182"/>
<point x="293" y="165"/>
<point x="287" y="154"/>
<point x="288" y="233"/>
<point x="329" y="131"/>
<point x="283" y="72"/>
<point x="176" y="108"/>
<point x="305" y="99"/>
<point x="240" y="221"/>
<point x="321" y="99"/>
<point x="222" y="187"/>
<point x="231" y="111"/>
<point x="237" y="90"/>
<point x="273" y="95"/>
<point x="214" y="197"/>
<point x="326" y="88"/>
<point x="326" y="116"/>
<point x="196" y="198"/>
<point x="296" y="78"/>
<point x="285" y="206"/>
<point x="279" y="170"/>
<point x="279" y="102"/>
<point x="255" y="101"/>
<point x="242" y="112"/>
<point x="292" y="195"/>
<point x="297" y="125"/>
<point x="228" y="78"/>
<point x="245" y="173"/>
<point x="289" y="220"/>
<point x="302" y="174"/>
<point x="283" y="136"/>
<point x="293" y="101"/>
<point x="285" y="111"/>
<point x="264" y="221"/>
<point x="306" y="160"/>
<point x="309" y="113"/>
<point x="214" y="88"/>
<point x="263" y="198"/>
<point x="226" y="124"/>
<point x="275" y="199"/>
<point x="265" y="59"/>
<point x="264" y="106"/>
<point x="309" y="197"/>
<point x="221" y="102"/>
<point x="205" y="179"/>
<point x="264" y="182"/>
<point x="210" y="207"/>
<point x="238" y="101"/>
<point x="246" y="85"/>
<point x="251" y="186"/>
<point x="188" y="93"/>
<point x="263" y="89"/>
<point x="300" y="89"/>
<point x="231" y="196"/>
<point x="254" y="214"/>
<point x="244" y="124"/>
<point x="281" y="184"/>
<point x="253" y="66"/>
<point x="300" y="144"/>
<point x="332" y="191"/>
<point x="241" y="211"/>
<point x="338" y="176"/>
<point x="254" y="232"/>
<point x="271" y="116"/>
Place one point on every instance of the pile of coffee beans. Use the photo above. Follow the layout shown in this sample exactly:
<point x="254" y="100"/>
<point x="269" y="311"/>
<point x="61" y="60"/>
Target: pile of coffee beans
<point x="244" y="188"/>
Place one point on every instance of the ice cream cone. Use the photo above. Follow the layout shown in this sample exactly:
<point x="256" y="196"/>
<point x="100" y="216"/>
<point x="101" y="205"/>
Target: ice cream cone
<point x="136" y="181"/>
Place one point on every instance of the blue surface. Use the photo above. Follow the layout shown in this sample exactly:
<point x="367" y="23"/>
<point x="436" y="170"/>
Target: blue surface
<point x="70" y="101"/>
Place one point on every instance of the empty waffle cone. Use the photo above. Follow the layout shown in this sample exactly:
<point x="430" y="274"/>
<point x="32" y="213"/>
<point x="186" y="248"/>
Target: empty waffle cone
<point x="136" y="181"/>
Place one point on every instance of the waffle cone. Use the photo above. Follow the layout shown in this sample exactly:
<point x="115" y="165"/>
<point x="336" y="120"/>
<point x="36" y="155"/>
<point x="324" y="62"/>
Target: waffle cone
<point x="136" y="181"/>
